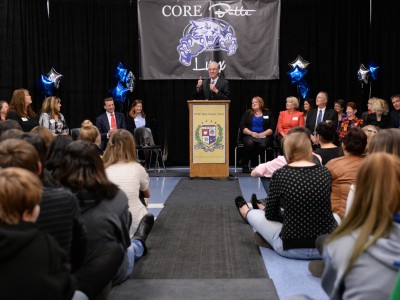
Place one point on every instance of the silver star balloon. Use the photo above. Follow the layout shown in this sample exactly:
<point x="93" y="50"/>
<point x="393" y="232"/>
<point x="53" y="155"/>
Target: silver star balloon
<point x="55" y="77"/>
<point x="300" y="62"/>
<point x="130" y="81"/>
<point x="363" y="73"/>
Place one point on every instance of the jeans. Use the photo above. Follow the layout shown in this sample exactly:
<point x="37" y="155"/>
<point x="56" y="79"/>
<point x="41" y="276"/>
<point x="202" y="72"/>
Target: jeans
<point x="270" y="231"/>
<point x="134" y="252"/>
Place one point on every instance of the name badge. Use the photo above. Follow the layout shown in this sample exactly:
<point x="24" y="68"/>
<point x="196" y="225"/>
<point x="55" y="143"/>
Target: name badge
<point x="24" y="119"/>
<point x="266" y="117"/>
<point x="295" y="118"/>
<point x="52" y="121"/>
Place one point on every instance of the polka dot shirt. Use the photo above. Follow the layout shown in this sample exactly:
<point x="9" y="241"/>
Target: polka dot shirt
<point x="299" y="197"/>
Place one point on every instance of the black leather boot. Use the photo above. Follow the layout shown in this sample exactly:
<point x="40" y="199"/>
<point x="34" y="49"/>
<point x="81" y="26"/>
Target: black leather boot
<point x="143" y="230"/>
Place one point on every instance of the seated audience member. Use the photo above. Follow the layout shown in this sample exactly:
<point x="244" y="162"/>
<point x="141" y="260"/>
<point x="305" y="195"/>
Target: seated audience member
<point x="110" y="252"/>
<point x="109" y="121"/>
<point x="370" y="131"/>
<point x="21" y="110"/>
<point x="379" y="116"/>
<point x="395" y="114"/>
<point x="387" y="140"/>
<point x="290" y="117"/>
<point x="371" y="102"/>
<point x="351" y="121"/>
<point x="319" y="114"/>
<point x="3" y="110"/>
<point x="56" y="153"/>
<point x="257" y="128"/>
<point x="266" y="170"/>
<point x="298" y="208"/>
<point x="11" y="134"/>
<point x="308" y="105"/>
<point x="339" y="105"/>
<point x="45" y="133"/>
<point x="326" y="135"/>
<point x="137" y="119"/>
<point x="32" y="266"/>
<point x="123" y="169"/>
<point x="91" y="134"/>
<point x="59" y="212"/>
<point x="344" y="169"/>
<point x="9" y="124"/>
<point x="361" y="254"/>
<point x="51" y="117"/>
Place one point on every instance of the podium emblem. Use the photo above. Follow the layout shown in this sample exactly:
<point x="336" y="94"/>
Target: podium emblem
<point x="209" y="137"/>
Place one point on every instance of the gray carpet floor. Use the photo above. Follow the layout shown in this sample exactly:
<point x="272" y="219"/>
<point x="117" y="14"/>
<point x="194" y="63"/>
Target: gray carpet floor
<point x="200" y="241"/>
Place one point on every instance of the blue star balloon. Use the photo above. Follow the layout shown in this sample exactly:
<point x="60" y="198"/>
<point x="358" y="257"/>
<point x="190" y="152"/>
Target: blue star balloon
<point x="120" y="72"/>
<point x="373" y="70"/>
<point x="297" y="74"/>
<point x="45" y="86"/>
<point x="303" y="87"/>
<point x="119" y="93"/>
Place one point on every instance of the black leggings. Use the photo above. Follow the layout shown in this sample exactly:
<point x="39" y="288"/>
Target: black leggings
<point x="252" y="149"/>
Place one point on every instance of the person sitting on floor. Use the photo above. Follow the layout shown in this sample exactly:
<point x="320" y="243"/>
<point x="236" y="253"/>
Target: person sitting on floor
<point x="362" y="255"/>
<point x="91" y="134"/>
<point x="59" y="212"/>
<point x="344" y="169"/>
<point x="326" y="134"/>
<point x="32" y="266"/>
<point x="265" y="170"/>
<point x="123" y="169"/>
<point x="298" y="208"/>
<point x="104" y="207"/>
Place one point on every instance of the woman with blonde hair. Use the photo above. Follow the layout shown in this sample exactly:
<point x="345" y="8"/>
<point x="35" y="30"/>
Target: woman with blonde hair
<point x="51" y="117"/>
<point x="361" y="254"/>
<point x="379" y="114"/>
<point x="290" y="117"/>
<point x="21" y="110"/>
<point x="298" y="207"/>
<point x="122" y="168"/>
<point x="91" y="134"/>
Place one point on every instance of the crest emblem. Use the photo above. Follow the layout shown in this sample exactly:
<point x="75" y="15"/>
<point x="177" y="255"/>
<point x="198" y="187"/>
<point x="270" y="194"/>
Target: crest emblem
<point x="209" y="137"/>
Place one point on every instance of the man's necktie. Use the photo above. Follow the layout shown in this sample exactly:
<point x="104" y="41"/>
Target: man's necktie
<point x="319" y="118"/>
<point x="113" y="122"/>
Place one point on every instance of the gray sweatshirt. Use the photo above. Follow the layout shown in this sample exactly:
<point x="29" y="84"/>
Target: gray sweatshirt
<point x="373" y="274"/>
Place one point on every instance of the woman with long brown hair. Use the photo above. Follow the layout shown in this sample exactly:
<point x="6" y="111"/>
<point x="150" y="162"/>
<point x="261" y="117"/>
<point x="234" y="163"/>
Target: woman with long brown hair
<point x="51" y="117"/>
<point x="361" y="254"/>
<point x="21" y="110"/>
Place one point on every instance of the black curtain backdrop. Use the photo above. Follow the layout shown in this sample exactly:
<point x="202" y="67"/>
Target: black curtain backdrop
<point x="85" y="39"/>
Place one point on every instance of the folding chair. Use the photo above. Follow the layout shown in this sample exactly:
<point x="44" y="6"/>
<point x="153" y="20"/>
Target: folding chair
<point x="145" y="142"/>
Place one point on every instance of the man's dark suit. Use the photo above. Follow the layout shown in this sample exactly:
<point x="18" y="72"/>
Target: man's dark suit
<point x="394" y="119"/>
<point x="103" y="125"/>
<point x="222" y="85"/>
<point x="329" y="115"/>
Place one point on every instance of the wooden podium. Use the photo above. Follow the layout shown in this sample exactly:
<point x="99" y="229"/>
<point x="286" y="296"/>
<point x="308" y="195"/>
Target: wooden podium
<point x="209" y="138"/>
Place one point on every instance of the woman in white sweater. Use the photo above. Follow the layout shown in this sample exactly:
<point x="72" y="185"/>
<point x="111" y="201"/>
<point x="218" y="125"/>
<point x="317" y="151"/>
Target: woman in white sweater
<point x="123" y="169"/>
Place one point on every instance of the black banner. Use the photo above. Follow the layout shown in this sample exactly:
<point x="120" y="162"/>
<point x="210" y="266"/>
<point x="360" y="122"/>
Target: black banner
<point x="179" y="38"/>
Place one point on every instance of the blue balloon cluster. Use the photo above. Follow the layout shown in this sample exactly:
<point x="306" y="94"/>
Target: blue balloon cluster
<point x="46" y="83"/>
<point x="297" y="74"/>
<point x="126" y="83"/>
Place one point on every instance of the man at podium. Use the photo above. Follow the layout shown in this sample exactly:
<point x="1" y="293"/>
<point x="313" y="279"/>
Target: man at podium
<point x="214" y="87"/>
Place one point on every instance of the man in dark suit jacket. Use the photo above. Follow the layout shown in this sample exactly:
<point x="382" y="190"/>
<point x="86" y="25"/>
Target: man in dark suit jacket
<point x="213" y="88"/>
<point x="328" y="114"/>
<point x="105" y="124"/>
<point x="395" y="114"/>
